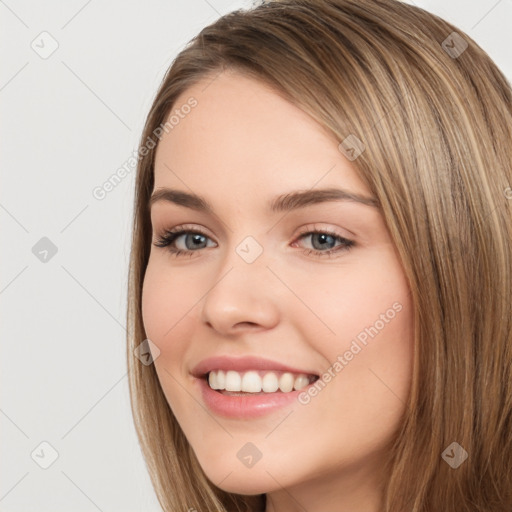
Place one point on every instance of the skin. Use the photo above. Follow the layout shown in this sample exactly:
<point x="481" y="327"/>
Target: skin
<point x="241" y="146"/>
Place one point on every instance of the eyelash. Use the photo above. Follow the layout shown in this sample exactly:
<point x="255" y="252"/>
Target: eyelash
<point x="169" y="236"/>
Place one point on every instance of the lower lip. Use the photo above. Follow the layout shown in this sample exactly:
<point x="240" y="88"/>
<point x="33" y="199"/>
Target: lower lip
<point x="247" y="406"/>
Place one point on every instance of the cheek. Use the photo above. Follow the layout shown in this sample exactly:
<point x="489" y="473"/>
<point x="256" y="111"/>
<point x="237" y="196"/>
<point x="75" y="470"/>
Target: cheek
<point x="365" y="316"/>
<point x="166" y="300"/>
<point x="367" y="388"/>
<point x="346" y="302"/>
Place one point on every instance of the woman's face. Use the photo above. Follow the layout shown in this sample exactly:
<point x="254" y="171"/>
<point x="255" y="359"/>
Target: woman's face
<point x="278" y="291"/>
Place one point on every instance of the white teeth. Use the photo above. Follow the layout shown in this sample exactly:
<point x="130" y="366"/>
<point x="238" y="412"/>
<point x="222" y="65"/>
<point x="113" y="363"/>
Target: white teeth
<point x="233" y="381"/>
<point x="270" y="383"/>
<point x="221" y="380"/>
<point x="254" y="381"/>
<point x="212" y="380"/>
<point x="286" y="382"/>
<point x="300" y="382"/>
<point x="251" y="382"/>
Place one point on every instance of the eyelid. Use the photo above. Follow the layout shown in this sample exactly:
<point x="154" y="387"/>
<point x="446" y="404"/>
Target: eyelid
<point x="184" y="227"/>
<point x="325" y="227"/>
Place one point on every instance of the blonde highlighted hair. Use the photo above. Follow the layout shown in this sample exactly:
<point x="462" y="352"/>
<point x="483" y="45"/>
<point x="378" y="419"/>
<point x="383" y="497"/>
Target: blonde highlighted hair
<point x="435" y="118"/>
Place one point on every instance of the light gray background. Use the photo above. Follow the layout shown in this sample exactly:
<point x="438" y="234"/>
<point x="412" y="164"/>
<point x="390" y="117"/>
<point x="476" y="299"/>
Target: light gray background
<point x="69" y="121"/>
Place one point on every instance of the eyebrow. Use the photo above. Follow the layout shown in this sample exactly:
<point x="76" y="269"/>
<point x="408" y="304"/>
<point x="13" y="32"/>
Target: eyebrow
<point x="282" y="203"/>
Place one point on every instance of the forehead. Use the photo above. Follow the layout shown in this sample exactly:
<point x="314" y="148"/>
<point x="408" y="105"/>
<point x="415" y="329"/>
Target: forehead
<point x="242" y="135"/>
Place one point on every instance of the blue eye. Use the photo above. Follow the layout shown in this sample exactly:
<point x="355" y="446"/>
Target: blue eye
<point x="325" y="240"/>
<point x="194" y="240"/>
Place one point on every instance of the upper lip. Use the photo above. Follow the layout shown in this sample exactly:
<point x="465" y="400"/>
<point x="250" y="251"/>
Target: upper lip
<point x="241" y="364"/>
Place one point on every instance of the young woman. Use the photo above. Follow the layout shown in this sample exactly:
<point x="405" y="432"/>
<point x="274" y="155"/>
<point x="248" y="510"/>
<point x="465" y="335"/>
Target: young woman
<point x="320" y="286"/>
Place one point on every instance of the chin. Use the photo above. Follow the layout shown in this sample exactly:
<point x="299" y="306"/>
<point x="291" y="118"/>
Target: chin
<point x="239" y="480"/>
<point x="246" y="486"/>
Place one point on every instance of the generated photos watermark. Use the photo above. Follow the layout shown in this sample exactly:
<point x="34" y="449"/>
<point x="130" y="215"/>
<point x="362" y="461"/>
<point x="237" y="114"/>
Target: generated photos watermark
<point x="100" y="192"/>
<point x="355" y="348"/>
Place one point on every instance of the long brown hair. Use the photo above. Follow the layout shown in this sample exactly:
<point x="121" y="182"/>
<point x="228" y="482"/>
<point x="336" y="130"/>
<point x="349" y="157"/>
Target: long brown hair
<point x="435" y="116"/>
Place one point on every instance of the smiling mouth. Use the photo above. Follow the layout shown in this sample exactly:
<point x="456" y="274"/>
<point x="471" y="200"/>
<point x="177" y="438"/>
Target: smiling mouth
<point x="257" y="382"/>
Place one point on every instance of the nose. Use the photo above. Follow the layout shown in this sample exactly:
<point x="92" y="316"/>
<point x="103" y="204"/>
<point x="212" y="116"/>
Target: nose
<point x="242" y="296"/>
